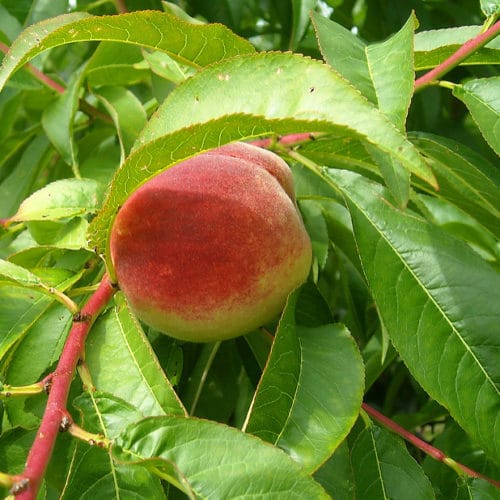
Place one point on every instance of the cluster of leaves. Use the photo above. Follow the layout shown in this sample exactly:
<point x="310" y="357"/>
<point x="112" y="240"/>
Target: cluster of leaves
<point x="401" y="309"/>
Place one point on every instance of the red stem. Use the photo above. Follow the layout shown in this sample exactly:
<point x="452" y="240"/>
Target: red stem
<point x="37" y="73"/>
<point x="462" y="53"/>
<point x="41" y="450"/>
<point x="422" y="445"/>
<point x="60" y="89"/>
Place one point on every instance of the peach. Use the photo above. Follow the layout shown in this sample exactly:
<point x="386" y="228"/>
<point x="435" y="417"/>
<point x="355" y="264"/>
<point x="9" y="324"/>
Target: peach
<point x="210" y="248"/>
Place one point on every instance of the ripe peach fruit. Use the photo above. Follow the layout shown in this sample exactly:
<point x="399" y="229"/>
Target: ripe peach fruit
<point x="210" y="248"/>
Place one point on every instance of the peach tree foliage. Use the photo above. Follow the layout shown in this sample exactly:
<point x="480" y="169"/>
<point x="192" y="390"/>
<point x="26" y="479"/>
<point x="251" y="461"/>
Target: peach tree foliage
<point x="396" y="332"/>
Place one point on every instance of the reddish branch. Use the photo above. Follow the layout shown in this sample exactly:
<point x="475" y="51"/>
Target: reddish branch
<point x="455" y="59"/>
<point x="60" y="89"/>
<point x="423" y="446"/>
<point x="41" y="450"/>
<point x="37" y="73"/>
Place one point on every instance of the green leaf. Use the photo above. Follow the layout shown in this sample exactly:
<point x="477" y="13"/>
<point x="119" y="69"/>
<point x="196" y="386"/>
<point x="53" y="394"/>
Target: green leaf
<point x="396" y="177"/>
<point x="18" y="184"/>
<point x="383" y="71"/>
<point x="316" y="228"/>
<point x="196" y="45"/>
<point x="12" y="273"/>
<point x="391" y="69"/>
<point x="115" y="62"/>
<point x="123" y="364"/>
<point x="19" y="311"/>
<point x="166" y="67"/>
<point x="314" y="93"/>
<point x="61" y="199"/>
<point x="460" y="225"/>
<point x="301" y="10"/>
<point x="213" y="460"/>
<point x="58" y="119"/>
<point x="438" y="301"/>
<point x="45" y="338"/>
<point x="94" y="475"/>
<point x="383" y="468"/>
<point x="465" y="178"/>
<point x="346" y="53"/>
<point x="104" y="413"/>
<point x="335" y="475"/>
<point x="310" y="411"/>
<point x="127" y="113"/>
<point x="70" y="234"/>
<point x="481" y="96"/>
<point x="434" y="46"/>
<point x="490" y="7"/>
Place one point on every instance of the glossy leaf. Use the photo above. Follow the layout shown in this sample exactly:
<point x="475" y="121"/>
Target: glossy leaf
<point x="197" y="45"/>
<point x="127" y="113"/>
<point x="70" y="234"/>
<point x="213" y="460"/>
<point x="346" y="53"/>
<point x="316" y="228"/>
<point x="481" y="96"/>
<point x="19" y="312"/>
<point x="490" y="7"/>
<point x="460" y="225"/>
<point x="123" y="364"/>
<point x="18" y="184"/>
<point x="301" y="11"/>
<point x="437" y="299"/>
<point x="335" y="475"/>
<point x="12" y="273"/>
<point x="434" y="46"/>
<point x="115" y="62"/>
<point x="466" y="178"/>
<point x="94" y="475"/>
<point x="311" y="410"/>
<point x="106" y="414"/>
<point x="373" y="68"/>
<point x="61" y="199"/>
<point x="58" y="120"/>
<point x="384" y="469"/>
<point x="322" y="98"/>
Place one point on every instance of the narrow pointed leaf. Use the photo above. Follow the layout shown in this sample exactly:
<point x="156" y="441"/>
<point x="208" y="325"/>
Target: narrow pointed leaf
<point x="314" y="92"/>
<point x="123" y="364"/>
<point x="12" y="273"/>
<point x="346" y="53"/>
<point x="127" y="113"/>
<point x="384" y="469"/>
<point x="439" y="303"/>
<point x="482" y="98"/>
<point x="58" y="118"/>
<point x="192" y="44"/>
<point x="466" y="178"/>
<point x="309" y="411"/>
<point x="391" y="69"/>
<point x="61" y="199"/>
<point x="301" y="10"/>
<point x="214" y="460"/>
